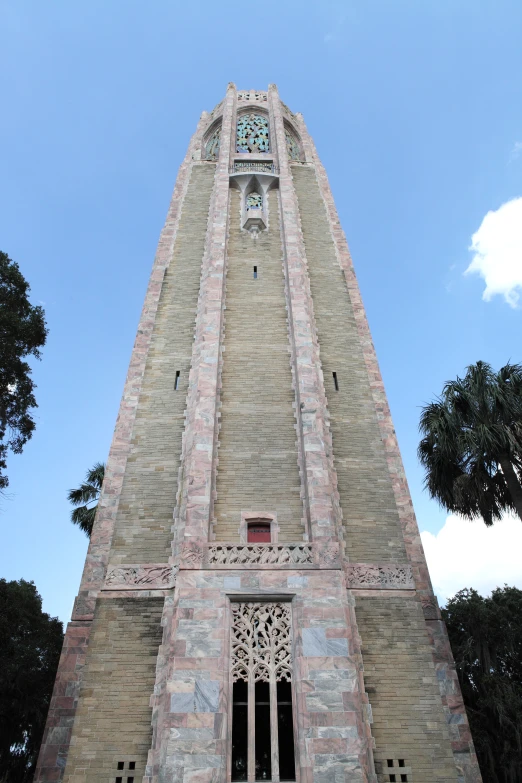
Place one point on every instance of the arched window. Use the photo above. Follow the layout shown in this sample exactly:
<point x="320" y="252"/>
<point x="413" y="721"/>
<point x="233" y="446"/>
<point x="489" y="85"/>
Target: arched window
<point x="212" y="145"/>
<point x="254" y="201"/>
<point x="294" y="153"/>
<point x="252" y="133"/>
<point x="262" y="715"/>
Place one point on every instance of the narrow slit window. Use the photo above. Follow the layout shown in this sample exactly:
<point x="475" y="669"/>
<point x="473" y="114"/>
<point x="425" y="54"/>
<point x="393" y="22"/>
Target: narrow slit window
<point x="401" y="763"/>
<point x="404" y="779"/>
<point x="130" y="780"/>
<point x="176" y="382"/>
<point x="120" y="764"/>
<point x="255" y="273"/>
<point x="132" y="765"/>
<point x="262" y="715"/>
<point x="119" y="780"/>
<point x="336" y="382"/>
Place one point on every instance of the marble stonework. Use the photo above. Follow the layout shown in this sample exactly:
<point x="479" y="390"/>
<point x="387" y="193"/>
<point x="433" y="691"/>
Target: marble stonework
<point x="348" y="721"/>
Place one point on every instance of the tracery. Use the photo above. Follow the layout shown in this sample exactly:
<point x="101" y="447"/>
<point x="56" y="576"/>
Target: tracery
<point x="252" y="133"/>
<point x="212" y="145"/>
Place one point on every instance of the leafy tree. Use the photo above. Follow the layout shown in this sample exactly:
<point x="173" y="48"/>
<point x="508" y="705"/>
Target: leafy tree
<point x="88" y="492"/>
<point x="30" y="645"/>
<point x="486" y="639"/>
<point x="472" y="444"/>
<point x="22" y="333"/>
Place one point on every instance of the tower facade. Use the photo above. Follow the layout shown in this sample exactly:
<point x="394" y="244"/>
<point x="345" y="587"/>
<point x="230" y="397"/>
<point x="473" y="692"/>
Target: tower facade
<point x="255" y="603"/>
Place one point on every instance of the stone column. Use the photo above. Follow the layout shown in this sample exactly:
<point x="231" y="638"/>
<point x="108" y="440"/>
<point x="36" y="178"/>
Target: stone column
<point x="172" y="693"/>
<point x="192" y="516"/>
<point x="319" y="472"/>
<point x="55" y="744"/>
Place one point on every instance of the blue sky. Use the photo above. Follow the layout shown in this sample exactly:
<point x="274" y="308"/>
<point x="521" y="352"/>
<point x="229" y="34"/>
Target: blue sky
<point x="416" y="110"/>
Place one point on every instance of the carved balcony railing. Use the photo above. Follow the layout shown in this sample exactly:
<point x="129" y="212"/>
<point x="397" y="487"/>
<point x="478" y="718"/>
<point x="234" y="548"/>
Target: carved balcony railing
<point x="227" y="555"/>
<point x="248" y="167"/>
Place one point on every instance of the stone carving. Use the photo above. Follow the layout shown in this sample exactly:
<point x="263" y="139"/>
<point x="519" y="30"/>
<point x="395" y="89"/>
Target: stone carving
<point x="191" y="555"/>
<point x="384" y="577"/>
<point x="212" y="145"/>
<point x="430" y="608"/>
<point x="261" y="642"/>
<point x="140" y="577"/>
<point x="294" y="153"/>
<point x="259" y="554"/>
<point x="327" y="555"/>
<point x="252" y="95"/>
<point x="242" y="166"/>
<point x="252" y="133"/>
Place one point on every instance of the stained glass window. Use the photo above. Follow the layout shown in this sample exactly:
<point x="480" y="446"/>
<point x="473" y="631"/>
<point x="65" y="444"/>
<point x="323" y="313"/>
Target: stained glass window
<point x="254" y="201"/>
<point x="292" y="146"/>
<point x="212" y="145"/>
<point x="252" y="133"/>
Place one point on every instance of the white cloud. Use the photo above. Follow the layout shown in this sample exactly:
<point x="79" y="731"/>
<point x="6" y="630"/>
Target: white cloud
<point x="497" y="248"/>
<point x="469" y="554"/>
<point x="516" y="152"/>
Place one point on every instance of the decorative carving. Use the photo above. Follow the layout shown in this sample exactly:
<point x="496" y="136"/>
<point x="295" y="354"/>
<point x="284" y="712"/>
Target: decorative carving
<point x="140" y="577"/>
<point x="259" y="554"/>
<point x="384" y="577"/>
<point x="191" y="555"/>
<point x="252" y="133"/>
<point x="242" y="166"/>
<point x="212" y="145"/>
<point x="252" y="95"/>
<point x="254" y="201"/>
<point x="327" y="555"/>
<point x="294" y="153"/>
<point x="261" y="642"/>
<point x="430" y="608"/>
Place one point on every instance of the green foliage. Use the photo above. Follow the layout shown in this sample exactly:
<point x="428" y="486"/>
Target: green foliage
<point x="472" y="444"/>
<point x="22" y="333"/>
<point x="87" y="493"/>
<point x="486" y="639"/>
<point x="30" y="645"/>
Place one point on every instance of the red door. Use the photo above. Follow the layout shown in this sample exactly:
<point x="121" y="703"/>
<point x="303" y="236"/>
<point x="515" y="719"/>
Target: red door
<point x="259" y="533"/>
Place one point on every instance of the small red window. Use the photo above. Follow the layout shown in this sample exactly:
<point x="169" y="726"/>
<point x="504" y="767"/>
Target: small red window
<point x="259" y="533"/>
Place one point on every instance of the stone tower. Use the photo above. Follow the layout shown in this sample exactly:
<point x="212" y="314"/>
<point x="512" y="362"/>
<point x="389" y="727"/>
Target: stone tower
<point x="255" y="603"/>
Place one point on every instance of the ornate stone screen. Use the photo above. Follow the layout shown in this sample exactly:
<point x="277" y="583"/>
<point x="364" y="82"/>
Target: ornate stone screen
<point x="292" y="146"/>
<point x="261" y="666"/>
<point x="212" y="145"/>
<point x="252" y="133"/>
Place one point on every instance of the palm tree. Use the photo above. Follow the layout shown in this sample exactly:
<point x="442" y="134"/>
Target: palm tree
<point x="472" y="444"/>
<point x="87" y="493"/>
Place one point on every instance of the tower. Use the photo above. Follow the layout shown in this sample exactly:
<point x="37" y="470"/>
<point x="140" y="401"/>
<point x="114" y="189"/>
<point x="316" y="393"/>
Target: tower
<point x="255" y="603"/>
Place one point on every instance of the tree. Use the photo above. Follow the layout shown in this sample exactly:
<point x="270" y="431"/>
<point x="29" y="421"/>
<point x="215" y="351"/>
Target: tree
<point x="486" y="639"/>
<point x="30" y="645"/>
<point x="87" y="493"/>
<point x="472" y="444"/>
<point x="22" y="333"/>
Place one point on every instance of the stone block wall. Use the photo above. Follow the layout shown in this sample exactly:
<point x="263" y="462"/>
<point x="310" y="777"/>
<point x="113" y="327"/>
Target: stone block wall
<point x="370" y="518"/>
<point x="257" y="467"/>
<point x="112" y="722"/>
<point x="143" y="530"/>
<point x="399" y="674"/>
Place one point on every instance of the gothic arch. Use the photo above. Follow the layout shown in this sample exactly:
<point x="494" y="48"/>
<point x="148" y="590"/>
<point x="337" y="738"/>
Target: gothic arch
<point x="294" y="146"/>
<point x="212" y="141"/>
<point x="253" y="131"/>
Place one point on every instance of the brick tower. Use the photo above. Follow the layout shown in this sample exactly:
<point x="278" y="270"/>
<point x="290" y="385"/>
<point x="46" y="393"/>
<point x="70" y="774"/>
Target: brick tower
<point x="255" y="603"/>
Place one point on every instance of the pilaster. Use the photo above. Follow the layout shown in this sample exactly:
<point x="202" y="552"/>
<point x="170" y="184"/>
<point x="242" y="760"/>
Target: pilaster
<point x="55" y="745"/>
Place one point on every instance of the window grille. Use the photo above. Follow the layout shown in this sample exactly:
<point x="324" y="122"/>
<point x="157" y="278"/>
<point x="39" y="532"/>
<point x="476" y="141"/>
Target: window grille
<point x="262" y="719"/>
<point x="212" y="145"/>
<point x="294" y="153"/>
<point x="252" y="133"/>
